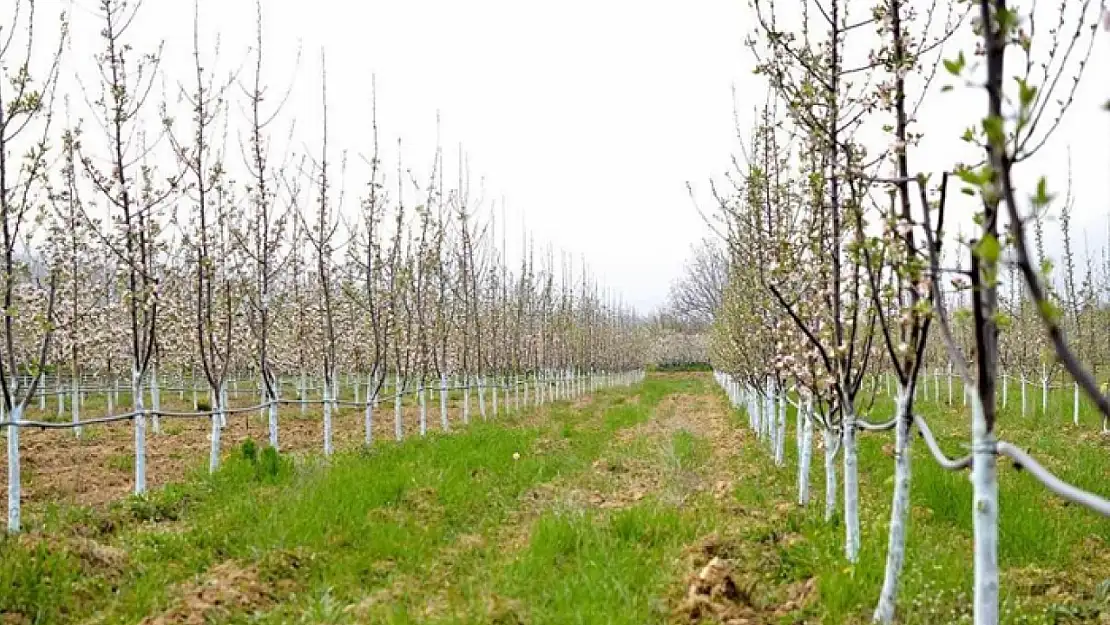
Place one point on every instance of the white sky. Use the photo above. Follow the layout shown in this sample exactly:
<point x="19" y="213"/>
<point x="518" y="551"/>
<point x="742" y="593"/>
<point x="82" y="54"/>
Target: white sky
<point x="587" y="117"/>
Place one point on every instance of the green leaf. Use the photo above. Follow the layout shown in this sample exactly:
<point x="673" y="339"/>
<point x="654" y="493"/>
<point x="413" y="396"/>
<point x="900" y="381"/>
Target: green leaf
<point x="1042" y="197"/>
<point x="955" y="66"/>
<point x="992" y="126"/>
<point x="1050" y="311"/>
<point x="1026" y="92"/>
<point x="988" y="249"/>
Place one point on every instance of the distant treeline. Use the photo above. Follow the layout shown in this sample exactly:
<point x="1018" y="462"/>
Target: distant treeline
<point x="681" y="366"/>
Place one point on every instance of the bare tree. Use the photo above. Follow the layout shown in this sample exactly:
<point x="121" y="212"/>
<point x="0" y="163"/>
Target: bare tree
<point x="696" y="295"/>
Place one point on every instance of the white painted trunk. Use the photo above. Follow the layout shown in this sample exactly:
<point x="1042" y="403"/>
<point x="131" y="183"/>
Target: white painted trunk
<point x="304" y="394"/>
<point x="899" y="512"/>
<point x="984" y="511"/>
<point x="140" y="432"/>
<point x="1023" y="396"/>
<point x="830" y="473"/>
<point x="482" y="397"/>
<point x="949" y="385"/>
<point x="799" y="416"/>
<point x="769" y="417"/>
<point x="780" y="432"/>
<point x="851" y="485"/>
<point x="75" y="406"/>
<point x="14" y="494"/>
<point x="368" y="417"/>
<point x="1075" y="403"/>
<point x="398" y="417"/>
<point x="327" y="391"/>
<point x="423" y="409"/>
<point x="214" y="447"/>
<point x="443" y="423"/>
<point x="272" y="409"/>
<point x="805" y="452"/>
<point x="757" y="414"/>
<point x="493" y="389"/>
<point x="1005" y="390"/>
<point x="111" y="401"/>
<point x="1044" y="396"/>
<point x="466" y="401"/>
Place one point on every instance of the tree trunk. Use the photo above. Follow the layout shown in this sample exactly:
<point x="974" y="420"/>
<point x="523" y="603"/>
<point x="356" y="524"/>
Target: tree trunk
<point x="466" y="400"/>
<point x="13" y="471"/>
<point x="423" y="409"/>
<point x="805" y="452"/>
<point x="830" y="474"/>
<point x="217" y="420"/>
<point x="398" y="420"/>
<point x="75" y="405"/>
<point x="140" y="431"/>
<point x="273" y="422"/>
<point x="851" y="485"/>
<point x="984" y="511"/>
<point x="443" y="423"/>
<point x="780" y="432"/>
<point x="368" y="425"/>
<point x="328" y="381"/>
<point x="899" y="511"/>
<point x="482" y="397"/>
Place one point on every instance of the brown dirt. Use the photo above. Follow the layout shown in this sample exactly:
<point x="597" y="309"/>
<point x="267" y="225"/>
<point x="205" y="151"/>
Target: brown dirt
<point x="231" y="588"/>
<point x="96" y="558"/>
<point x="98" y="468"/>
<point x="726" y="584"/>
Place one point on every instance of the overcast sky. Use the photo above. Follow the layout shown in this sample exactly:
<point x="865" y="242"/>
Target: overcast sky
<point x="586" y="117"/>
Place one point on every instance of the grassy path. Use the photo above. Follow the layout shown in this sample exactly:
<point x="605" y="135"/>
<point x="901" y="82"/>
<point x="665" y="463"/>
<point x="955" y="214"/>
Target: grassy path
<point x="464" y="527"/>
<point x="642" y="505"/>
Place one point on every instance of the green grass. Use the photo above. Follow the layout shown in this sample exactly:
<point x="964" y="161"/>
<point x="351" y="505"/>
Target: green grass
<point x="1050" y="553"/>
<point x="453" y="529"/>
<point x="365" y="518"/>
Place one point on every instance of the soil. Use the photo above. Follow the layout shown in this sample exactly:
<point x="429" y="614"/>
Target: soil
<point x="98" y="468"/>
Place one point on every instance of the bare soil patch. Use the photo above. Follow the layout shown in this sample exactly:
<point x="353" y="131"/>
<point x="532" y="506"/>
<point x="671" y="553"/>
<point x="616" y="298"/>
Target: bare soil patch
<point x="98" y="468"/>
<point x="231" y="588"/>
<point x="727" y="584"/>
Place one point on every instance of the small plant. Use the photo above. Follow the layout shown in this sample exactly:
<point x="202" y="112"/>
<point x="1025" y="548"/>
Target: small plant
<point x="267" y="464"/>
<point x="120" y="462"/>
<point x="270" y="465"/>
<point x="249" y="450"/>
<point x="203" y="405"/>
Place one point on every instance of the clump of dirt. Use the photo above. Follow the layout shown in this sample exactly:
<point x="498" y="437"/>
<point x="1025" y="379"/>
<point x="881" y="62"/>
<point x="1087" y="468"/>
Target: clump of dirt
<point x="105" y="559"/>
<point x="503" y="611"/>
<point x="96" y="558"/>
<point x="726" y="586"/>
<point x="421" y="501"/>
<point x="715" y="593"/>
<point x="229" y="588"/>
